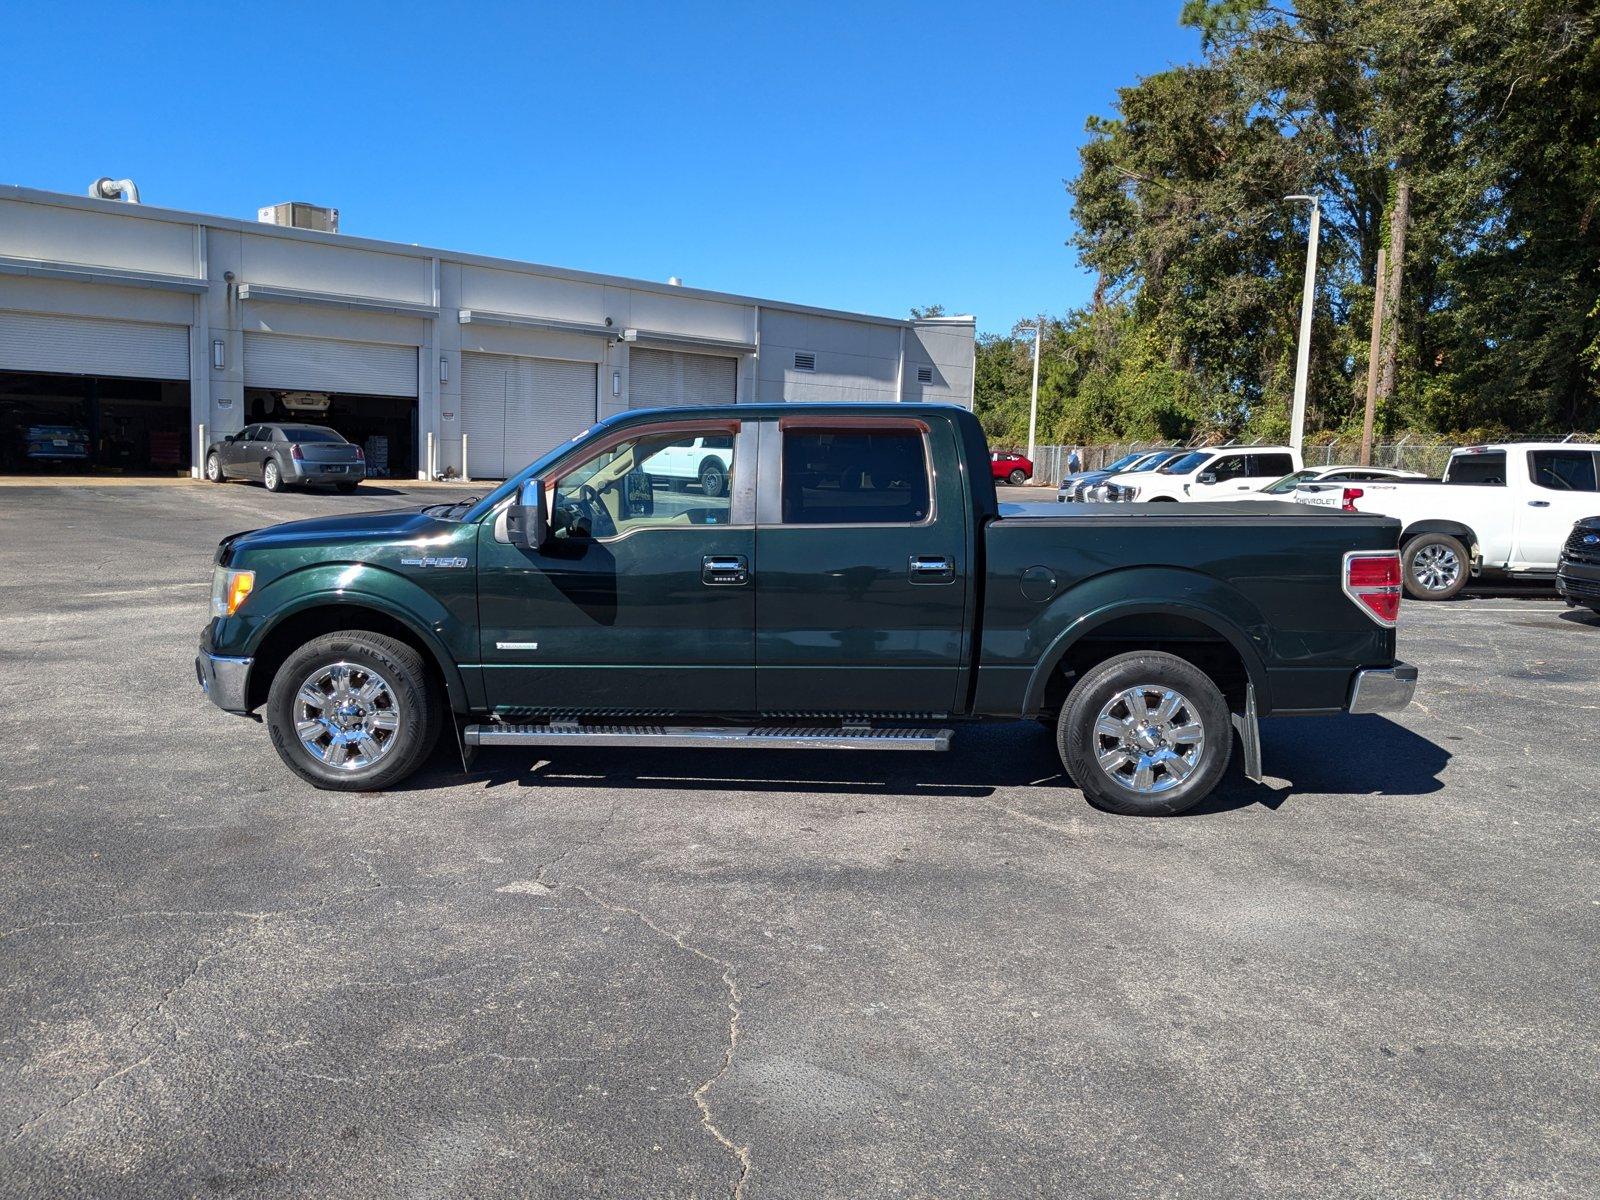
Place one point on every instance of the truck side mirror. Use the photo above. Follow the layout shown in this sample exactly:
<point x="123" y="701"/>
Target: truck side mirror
<point x="1206" y="477"/>
<point x="640" y="493"/>
<point x="527" y="524"/>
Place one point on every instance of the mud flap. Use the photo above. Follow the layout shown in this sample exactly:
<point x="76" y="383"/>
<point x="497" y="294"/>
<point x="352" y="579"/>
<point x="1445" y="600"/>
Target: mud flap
<point x="468" y="753"/>
<point x="1249" y="735"/>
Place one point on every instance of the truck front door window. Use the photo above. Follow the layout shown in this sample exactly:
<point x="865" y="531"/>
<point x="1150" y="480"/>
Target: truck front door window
<point x="662" y="480"/>
<point x="855" y="477"/>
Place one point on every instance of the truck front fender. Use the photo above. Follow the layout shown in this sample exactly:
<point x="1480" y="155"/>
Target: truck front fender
<point x="357" y="586"/>
<point x="1145" y="591"/>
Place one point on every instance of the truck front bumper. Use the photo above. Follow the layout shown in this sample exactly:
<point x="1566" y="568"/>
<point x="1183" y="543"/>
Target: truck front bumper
<point x="223" y="680"/>
<point x="1382" y="689"/>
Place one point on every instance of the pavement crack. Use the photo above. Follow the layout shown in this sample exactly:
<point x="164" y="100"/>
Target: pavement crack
<point x="735" y="1003"/>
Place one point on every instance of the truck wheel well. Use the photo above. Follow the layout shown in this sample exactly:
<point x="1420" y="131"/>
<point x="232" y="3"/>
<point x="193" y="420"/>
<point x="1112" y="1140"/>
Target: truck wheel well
<point x="295" y="631"/>
<point x="1454" y="528"/>
<point x="1183" y="637"/>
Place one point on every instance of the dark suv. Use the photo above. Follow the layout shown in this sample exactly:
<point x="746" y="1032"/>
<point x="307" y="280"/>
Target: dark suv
<point x="280" y="455"/>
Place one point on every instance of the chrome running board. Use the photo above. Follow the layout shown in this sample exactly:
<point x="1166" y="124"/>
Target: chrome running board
<point x="728" y="737"/>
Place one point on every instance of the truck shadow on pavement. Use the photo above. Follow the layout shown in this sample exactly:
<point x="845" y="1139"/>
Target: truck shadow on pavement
<point x="1337" y="756"/>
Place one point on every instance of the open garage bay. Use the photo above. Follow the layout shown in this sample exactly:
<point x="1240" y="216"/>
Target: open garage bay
<point x="662" y="974"/>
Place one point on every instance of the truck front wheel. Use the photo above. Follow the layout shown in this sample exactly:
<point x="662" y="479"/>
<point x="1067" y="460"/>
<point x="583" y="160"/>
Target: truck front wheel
<point x="1145" y="734"/>
<point x="1435" y="566"/>
<point x="354" y="711"/>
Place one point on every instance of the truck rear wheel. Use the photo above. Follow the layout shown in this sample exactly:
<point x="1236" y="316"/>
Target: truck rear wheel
<point x="1435" y="566"/>
<point x="1145" y="734"/>
<point x="353" y="711"/>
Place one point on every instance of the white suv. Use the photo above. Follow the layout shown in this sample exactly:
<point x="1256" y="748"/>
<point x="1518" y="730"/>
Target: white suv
<point x="1212" y="474"/>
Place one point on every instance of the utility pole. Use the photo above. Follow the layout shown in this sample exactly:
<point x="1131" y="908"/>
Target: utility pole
<point x="1033" y="404"/>
<point x="1374" y="353"/>
<point x="1302" y="363"/>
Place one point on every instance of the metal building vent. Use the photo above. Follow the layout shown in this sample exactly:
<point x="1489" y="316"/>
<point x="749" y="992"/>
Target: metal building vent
<point x="804" y="361"/>
<point x="924" y="374"/>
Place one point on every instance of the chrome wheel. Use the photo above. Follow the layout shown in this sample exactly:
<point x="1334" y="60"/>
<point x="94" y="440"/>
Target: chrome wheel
<point x="345" y="716"/>
<point x="1149" y="738"/>
<point x="270" y="477"/>
<point x="1435" y="567"/>
<point x="213" y="469"/>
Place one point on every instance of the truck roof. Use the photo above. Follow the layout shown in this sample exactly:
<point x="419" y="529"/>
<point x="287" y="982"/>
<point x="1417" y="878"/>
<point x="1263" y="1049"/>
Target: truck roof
<point x="1494" y="447"/>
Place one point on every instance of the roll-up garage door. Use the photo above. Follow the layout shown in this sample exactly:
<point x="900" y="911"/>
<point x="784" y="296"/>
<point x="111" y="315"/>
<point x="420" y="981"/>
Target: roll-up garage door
<point x="514" y="409"/>
<point x="277" y="360"/>
<point x="90" y="346"/>
<point x="662" y="378"/>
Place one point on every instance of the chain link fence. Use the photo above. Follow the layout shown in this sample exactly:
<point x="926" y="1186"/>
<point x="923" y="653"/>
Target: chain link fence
<point x="1408" y="454"/>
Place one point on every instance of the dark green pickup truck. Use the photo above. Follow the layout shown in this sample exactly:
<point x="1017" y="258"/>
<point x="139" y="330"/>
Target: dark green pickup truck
<point x="803" y="576"/>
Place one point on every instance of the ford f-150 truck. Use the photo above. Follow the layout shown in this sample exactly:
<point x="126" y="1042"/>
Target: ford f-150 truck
<point x="591" y="601"/>
<point x="1503" y="509"/>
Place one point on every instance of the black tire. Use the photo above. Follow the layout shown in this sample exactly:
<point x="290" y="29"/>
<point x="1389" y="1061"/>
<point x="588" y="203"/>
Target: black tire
<point x="346" y="489"/>
<point x="1017" y="477"/>
<point x="1427" y="560"/>
<point x="1079" y="741"/>
<point x="1162" y="500"/>
<point x="272" y="475"/>
<point x="414" y="697"/>
<point x="713" y="477"/>
<point x="214" y="471"/>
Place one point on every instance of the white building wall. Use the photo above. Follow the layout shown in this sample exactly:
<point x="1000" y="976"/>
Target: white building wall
<point x="73" y="255"/>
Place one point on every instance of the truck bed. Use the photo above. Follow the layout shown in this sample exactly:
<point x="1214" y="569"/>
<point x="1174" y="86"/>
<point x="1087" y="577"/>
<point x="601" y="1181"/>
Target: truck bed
<point x="1267" y="576"/>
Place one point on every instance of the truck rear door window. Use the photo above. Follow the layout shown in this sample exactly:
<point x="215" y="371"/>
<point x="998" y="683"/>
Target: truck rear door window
<point x="1563" y="470"/>
<point x="1271" y="464"/>
<point x="854" y="477"/>
<point x="1478" y="468"/>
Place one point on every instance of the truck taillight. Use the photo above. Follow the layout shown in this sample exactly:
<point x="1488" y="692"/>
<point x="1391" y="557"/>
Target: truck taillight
<point x="296" y="453"/>
<point x="360" y="455"/>
<point x="1351" y="495"/>
<point x="1372" y="580"/>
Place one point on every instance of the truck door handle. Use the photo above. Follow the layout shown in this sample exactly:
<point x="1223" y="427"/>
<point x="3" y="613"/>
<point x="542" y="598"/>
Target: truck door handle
<point x="724" y="570"/>
<point x="1538" y="504"/>
<point x="925" y="568"/>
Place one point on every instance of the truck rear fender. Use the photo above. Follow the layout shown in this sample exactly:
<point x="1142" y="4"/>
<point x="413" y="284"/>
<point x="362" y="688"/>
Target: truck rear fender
<point x="1455" y="529"/>
<point x="332" y="596"/>
<point x="1189" y="602"/>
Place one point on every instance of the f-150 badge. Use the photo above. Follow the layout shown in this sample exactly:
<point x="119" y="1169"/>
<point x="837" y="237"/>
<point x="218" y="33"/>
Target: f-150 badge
<point x="431" y="561"/>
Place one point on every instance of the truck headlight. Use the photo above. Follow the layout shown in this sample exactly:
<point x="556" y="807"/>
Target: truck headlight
<point x="229" y="589"/>
<point x="1121" y="492"/>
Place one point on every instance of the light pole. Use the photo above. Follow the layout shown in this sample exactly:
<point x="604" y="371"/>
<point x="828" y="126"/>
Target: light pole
<point x="1033" y="404"/>
<point x="1302" y="363"/>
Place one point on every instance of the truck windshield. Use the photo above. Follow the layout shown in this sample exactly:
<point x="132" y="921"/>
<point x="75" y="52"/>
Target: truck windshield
<point x="1487" y="469"/>
<point x="1126" y="461"/>
<point x="1187" y="464"/>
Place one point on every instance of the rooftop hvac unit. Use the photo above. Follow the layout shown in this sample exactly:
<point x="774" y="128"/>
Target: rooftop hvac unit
<point x="298" y="215"/>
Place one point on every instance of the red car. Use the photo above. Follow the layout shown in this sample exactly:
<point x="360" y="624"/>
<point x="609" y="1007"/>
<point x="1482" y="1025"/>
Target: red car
<point x="1010" y="468"/>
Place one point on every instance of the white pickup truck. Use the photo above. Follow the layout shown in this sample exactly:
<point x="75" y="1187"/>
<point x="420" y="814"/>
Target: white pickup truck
<point x="1504" y="509"/>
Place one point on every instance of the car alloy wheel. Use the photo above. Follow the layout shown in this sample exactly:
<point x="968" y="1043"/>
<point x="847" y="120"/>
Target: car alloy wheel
<point x="1017" y="478"/>
<point x="271" y="477"/>
<point x="213" y="468"/>
<point x="1148" y="739"/>
<point x="1436" y="567"/>
<point x="346" y="717"/>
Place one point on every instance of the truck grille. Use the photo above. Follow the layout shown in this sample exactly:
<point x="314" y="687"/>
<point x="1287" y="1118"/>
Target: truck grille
<point x="1577" y="550"/>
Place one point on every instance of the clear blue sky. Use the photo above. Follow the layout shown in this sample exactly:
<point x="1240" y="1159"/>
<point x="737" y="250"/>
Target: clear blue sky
<point x="860" y="156"/>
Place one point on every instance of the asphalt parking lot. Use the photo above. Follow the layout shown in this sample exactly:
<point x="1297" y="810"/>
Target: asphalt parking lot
<point x="652" y="974"/>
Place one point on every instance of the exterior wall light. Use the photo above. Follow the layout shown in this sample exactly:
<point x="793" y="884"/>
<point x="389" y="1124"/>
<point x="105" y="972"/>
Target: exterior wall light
<point x="616" y="383"/>
<point x="219" y="354"/>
